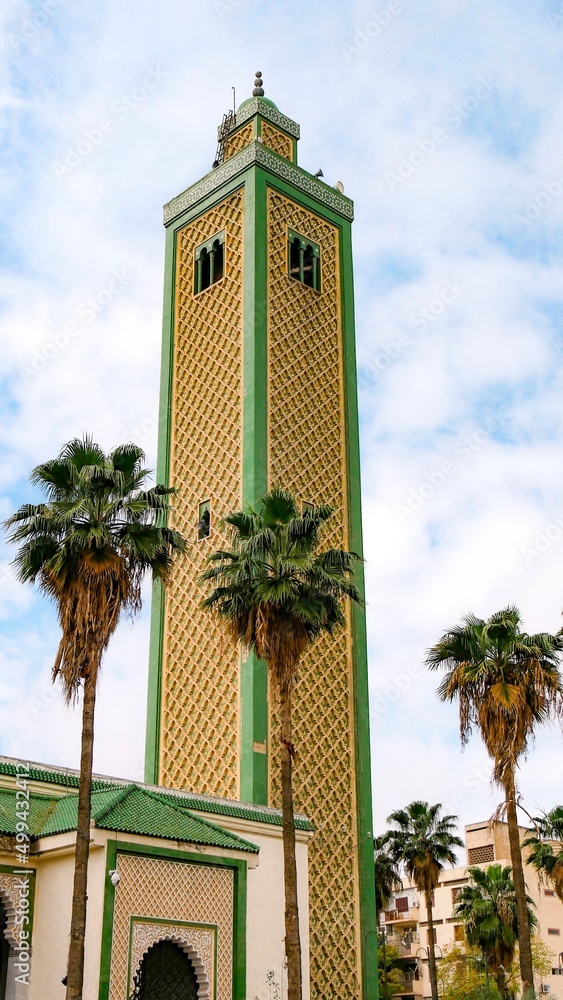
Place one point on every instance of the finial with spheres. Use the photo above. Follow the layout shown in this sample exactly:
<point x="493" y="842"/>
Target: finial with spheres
<point x="258" y="88"/>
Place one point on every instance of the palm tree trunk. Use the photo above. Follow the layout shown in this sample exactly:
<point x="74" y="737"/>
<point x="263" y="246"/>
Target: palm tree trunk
<point x="431" y="952"/>
<point x="524" y="938"/>
<point x="292" y="940"/>
<point x="75" y="969"/>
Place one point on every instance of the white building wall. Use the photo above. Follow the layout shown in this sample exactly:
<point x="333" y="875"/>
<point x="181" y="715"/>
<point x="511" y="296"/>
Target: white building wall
<point x="53" y="901"/>
<point x="265" y="930"/>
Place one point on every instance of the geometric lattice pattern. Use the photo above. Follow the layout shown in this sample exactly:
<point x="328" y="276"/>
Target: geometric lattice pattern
<point x="239" y="140"/>
<point x="277" y="141"/>
<point x="171" y="891"/>
<point x="200" y="678"/>
<point x="307" y="454"/>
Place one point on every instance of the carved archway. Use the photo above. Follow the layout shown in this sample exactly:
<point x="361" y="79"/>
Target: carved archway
<point x="196" y="943"/>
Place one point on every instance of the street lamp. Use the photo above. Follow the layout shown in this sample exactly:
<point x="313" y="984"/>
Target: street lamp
<point x="424" y="953"/>
<point x="383" y="934"/>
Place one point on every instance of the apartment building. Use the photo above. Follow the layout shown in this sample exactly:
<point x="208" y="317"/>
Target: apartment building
<point x="406" y="926"/>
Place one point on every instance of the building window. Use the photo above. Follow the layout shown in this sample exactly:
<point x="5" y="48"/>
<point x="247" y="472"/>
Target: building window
<point x="204" y="520"/>
<point x="304" y="260"/>
<point x="549" y="892"/>
<point x="459" y="932"/>
<point x="209" y="264"/>
<point x="554" y="930"/>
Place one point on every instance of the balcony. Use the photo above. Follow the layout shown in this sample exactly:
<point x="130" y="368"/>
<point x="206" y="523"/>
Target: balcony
<point x="411" y="916"/>
<point x="410" y="987"/>
<point x="406" y="946"/>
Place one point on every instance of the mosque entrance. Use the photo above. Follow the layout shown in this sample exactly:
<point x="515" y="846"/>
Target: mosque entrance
<point x="165" y="973"/>
<point x="4" y="951"/>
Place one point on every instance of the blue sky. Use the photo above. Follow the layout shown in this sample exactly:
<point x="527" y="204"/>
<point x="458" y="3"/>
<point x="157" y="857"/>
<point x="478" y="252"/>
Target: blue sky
<point x="443" y="122"/>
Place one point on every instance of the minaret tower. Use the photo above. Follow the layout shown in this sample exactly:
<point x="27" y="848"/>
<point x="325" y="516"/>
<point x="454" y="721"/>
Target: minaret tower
<point x="259" y="387"/>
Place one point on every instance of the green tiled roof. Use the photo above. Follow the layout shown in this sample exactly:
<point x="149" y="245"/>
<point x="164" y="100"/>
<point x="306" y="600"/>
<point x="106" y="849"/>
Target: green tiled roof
<point x="51" y="776"/>
<point x="221" y="807"/>
<point x="40" y="808"/>
<point x="176" y="799"/>
<point x="126" y="809"/>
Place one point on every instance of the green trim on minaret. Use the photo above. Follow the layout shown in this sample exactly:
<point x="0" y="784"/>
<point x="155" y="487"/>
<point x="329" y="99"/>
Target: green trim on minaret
<point x="254" y="681"/>
<point x="163" y="476"/>
<point x="368" y="916"/>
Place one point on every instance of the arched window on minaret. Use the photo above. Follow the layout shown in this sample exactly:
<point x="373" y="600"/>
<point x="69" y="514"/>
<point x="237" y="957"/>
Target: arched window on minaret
<point x="304" y="261"/>
<point x="209" y="265"/>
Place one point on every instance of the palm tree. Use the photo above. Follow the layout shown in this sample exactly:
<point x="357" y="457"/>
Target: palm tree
<point x="276" y="595"/>
<point x="387" y="877"/>
<point x="487" y="905"/>
<point x="423" y="842"/>
<point x="507" y="683"/>
<point x="546" y="849"/>
<point x="89" y="546"/>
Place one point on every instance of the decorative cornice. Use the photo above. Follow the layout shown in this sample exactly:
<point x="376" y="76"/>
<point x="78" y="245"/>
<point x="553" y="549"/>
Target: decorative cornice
<point x="256" y="106"/>
<point x="257" y="153"/>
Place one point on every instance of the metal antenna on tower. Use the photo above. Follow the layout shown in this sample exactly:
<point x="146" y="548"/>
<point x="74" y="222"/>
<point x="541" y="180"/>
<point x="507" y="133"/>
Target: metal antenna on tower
<point x="225" y="129"/>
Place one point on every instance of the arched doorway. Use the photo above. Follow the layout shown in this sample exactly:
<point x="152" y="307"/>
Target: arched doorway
<point x="165" y="973"/>
<point x="4" y="950"/>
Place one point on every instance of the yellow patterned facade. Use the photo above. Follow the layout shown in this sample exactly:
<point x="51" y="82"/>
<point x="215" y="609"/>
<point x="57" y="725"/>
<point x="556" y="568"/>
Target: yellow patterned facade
<point x="239" y="140"/>
<point x="200" y="682"/>
<point x="276" y="140"/>
<point x="308" y="455"/>
<point x="158" y="889"/>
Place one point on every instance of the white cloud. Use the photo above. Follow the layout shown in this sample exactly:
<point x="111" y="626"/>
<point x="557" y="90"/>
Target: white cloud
<point x="493" y="353"/>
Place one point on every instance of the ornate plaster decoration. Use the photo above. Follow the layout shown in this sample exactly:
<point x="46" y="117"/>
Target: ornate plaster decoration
<point x="258" y="153"/>
<point x="197" y="942"/>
